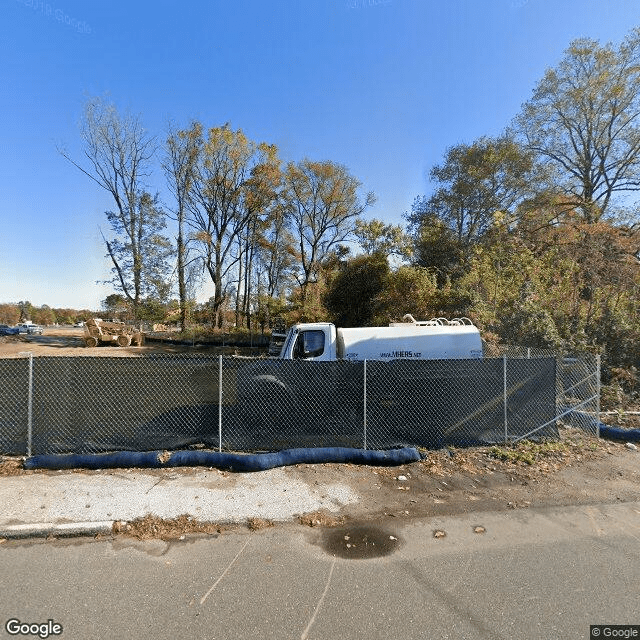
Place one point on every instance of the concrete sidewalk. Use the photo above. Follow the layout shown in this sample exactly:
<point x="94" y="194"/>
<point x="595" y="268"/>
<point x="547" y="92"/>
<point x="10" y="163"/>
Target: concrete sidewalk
<point x="86" y="503"/>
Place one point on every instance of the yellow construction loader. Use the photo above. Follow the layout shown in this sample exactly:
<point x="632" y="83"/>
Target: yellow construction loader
<point x="98" y="331"/>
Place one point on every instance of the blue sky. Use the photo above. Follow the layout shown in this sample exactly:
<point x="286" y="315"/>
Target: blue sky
<point x="381" y="86"/>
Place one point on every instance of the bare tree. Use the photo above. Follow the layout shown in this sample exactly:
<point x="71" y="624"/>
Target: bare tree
<point x="181" y="155"/>
<point x="584" y="120"/>
<point x="119" y="152"/>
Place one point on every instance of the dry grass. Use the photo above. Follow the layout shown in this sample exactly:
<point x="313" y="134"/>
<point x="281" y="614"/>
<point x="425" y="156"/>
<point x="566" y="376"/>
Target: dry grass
<point x="255" y="524"/>
<point x="11" y="467"/>
<point x="321" y="518"/>
<point x="151" y="527"/>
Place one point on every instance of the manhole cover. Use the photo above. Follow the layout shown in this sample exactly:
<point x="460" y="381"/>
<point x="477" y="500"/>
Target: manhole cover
<point x="358" y="542"/>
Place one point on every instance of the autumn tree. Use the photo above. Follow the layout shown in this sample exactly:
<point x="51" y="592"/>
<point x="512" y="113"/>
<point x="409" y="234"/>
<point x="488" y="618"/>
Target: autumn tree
<point x="277" y="253"/>
<point x="223" y="201"/>
<point x="262" y="191"/>
<point x="9" y="314"/>
<point x="119" y="153"/>
<point x="583" y="119"/>
<point x="323" y="202"/>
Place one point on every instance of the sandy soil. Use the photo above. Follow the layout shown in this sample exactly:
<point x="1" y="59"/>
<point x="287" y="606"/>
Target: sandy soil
<point x="67" y="341"/>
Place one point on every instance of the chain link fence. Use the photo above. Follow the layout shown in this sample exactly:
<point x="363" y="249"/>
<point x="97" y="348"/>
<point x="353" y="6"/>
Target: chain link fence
<point x="86" y="404"/>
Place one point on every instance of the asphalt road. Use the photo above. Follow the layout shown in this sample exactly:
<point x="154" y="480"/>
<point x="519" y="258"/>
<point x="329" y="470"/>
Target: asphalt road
<point x="546" y="573"/>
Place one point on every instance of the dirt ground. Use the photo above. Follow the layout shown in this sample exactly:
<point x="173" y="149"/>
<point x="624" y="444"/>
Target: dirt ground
<point x="67" y="341"/>
<point x="576" y="469"/>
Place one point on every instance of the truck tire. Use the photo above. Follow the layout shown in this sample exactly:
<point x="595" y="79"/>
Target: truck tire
<point x="90" y="341"/>
<point x="123" y="340"/>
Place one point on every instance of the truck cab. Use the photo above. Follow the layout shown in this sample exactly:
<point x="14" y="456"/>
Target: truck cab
<point x="310" y="341"/>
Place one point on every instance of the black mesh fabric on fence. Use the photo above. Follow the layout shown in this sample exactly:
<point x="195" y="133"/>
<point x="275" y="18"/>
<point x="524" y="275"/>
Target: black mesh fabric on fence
<point x="14" y="405"/>
<point x="98" y="404"/>
<point x="459" y="402"/>
<point x="89" y="405"/>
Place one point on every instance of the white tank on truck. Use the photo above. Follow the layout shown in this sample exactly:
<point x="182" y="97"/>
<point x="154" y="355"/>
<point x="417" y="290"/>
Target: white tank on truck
<point x="436" y="339"/>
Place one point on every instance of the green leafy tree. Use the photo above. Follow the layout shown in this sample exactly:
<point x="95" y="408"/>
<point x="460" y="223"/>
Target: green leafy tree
<point x="43" y="315"/>
<point x="407" y="289"/>
<point x="140" y="252"/>
<point x="117" y="306"/>
<point x="352" y="298"/>
<point x="436" y="247"/>
<point x="474" y="183"/>
<point x="374" y="236"/>
<point x="26" y="310"/>
<point x="575" y="286"/>
<point x="583" y="120"/>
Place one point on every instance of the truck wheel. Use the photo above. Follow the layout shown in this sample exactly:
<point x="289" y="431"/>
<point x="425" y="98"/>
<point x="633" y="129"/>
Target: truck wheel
<point x="91" y="341"/>
<point x="124" y="341"/>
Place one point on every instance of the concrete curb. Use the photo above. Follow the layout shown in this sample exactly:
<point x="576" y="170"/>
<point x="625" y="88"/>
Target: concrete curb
<point x="66" y="530"/>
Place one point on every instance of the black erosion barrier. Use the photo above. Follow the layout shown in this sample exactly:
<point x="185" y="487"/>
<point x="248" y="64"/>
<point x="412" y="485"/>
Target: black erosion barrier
<point x="616" y="433"/>
<point x="226" y="461"/>
<point x="580" y="418"/>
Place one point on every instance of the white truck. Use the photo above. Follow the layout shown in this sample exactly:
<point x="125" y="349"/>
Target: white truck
<point x="314" y="388"/>
<point x="437" y="339"/>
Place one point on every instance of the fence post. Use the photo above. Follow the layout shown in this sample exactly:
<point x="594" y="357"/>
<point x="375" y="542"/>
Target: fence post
<point x="220" y="403"/>
<point x="598" y="396"/>
<point x="504" y="391"/>
<point x="365" y="404"/>
<point x="30" y="405"/>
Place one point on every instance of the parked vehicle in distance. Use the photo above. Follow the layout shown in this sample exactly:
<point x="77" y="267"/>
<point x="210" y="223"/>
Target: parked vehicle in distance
<point x="35" y="329"/>
<point x="6" y="330"/>
<point x="29" y="328"/>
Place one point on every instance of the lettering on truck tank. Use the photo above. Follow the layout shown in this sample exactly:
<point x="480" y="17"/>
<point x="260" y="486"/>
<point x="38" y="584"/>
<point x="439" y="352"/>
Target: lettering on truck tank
<point x="402" y="354"/>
